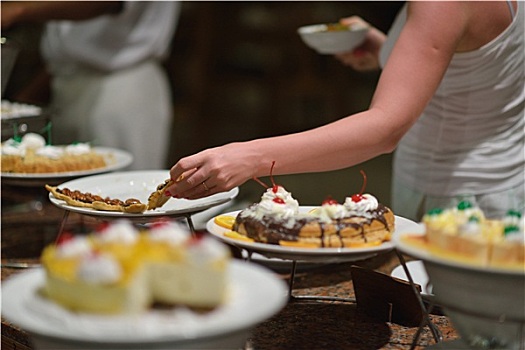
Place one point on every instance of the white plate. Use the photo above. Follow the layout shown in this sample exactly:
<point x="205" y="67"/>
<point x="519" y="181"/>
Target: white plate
<point x="327" y="255"/>
<point x="417" y="272"/>
<point x="117" y="159"/>
<point x="425" y="255"/>
<point x="139" y="185"/>
<point x="255" y="294"/>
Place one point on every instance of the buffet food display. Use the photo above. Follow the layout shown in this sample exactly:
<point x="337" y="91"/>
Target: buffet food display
<point x="463" y="234"/>
<point x="89" y="200"/>
<point x="30" y="154"/>
<point x="361" y="221"/>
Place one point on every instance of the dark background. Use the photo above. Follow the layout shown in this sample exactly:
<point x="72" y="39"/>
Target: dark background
<point x="239" y="70"/>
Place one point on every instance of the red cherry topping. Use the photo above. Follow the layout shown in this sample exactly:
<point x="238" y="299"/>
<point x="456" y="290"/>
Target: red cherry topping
<point x="196" y="238"/>
<point x="159" y="223"/>
<point x="102" y="226"/>
<point x="279" y="200"/>
<point x="329" y="201"/>
<point x="357" y="198"/>
<point x="63" y="238"/>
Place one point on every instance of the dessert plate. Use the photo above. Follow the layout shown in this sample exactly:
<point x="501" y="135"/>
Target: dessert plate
<point x="117" y="159"/>
<point x="255" y="294"/>
<point x="139" y="185"/>
<point x="427" y="256"/>
<point x="327" y="255"/>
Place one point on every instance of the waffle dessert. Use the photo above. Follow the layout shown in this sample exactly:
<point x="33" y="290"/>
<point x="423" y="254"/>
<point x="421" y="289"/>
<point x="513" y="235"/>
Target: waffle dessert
<point x="359" y="222"/>
<point x="463" y="233"/>
<point x="121" y="270"/>
<point x="31" y="155"/>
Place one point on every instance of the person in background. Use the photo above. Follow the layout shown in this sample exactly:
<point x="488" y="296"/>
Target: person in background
<point x="450" y="101"/>
<point x="104" y="58"/>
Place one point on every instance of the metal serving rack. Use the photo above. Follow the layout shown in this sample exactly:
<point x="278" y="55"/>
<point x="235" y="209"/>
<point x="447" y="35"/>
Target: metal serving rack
<point x="425" y="321"/>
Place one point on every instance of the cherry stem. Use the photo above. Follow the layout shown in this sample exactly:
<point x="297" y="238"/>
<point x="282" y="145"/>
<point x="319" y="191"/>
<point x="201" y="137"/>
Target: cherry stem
<point x="260" y="182"/>
<point x="364" y="181"/>
<point x="271" y="173"/>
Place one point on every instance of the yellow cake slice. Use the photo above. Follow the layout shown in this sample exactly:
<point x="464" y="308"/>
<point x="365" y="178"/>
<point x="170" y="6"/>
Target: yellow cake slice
<point x="121" y="270"/>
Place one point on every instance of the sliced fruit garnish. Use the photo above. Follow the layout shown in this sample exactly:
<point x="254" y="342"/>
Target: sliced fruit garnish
<point x="362" y="244"/>
<point x="225" y="221"/>
<point x="298" y="244"/>
<point x="237" y="236"/>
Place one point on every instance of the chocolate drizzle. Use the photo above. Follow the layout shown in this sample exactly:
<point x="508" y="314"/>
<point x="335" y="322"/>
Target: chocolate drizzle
<point x="270" y="229"/>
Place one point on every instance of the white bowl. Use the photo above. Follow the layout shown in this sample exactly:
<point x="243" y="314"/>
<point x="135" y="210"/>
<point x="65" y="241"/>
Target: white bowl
<point x="325" y="41"/>
<point x="486" y="307"/>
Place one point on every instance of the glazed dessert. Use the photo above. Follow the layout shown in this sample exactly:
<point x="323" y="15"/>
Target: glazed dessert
<point x="361" y="221"/>
<point x="463" y="233"/>
<point x="77" y="198"/>
<point x="121" y="270"/>
<point x="30" y="154"/>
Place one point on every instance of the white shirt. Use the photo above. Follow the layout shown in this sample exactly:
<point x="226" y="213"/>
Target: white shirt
<point x="141" y="31"/>
<point x="470" y="138"/>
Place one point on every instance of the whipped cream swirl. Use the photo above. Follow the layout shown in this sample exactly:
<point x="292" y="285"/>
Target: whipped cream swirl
<point x="99" y="269"/>
<point x="363" y="205"/>
<point x="120" y="231"/>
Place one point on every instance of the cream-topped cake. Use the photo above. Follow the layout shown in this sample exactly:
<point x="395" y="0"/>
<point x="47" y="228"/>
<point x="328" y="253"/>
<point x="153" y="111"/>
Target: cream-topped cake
<point x="122" y="270"/>
<point x="31" y="154"/>
<point x="360" y="221"/>
<point x="464" y="233"/>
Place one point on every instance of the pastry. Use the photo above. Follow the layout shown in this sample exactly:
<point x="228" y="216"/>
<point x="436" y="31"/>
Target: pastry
<point x="463" y="233"/>
<point x="359" y="222"/>
<point x="88" y="200"/>
<point x="158" y="198"/>
<point x="120" y="270"/>
<point x="32" y="155"/>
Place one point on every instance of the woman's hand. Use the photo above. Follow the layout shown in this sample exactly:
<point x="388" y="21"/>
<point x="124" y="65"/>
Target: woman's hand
<point x="365" y="57"/>
<point x="212" y="171"/>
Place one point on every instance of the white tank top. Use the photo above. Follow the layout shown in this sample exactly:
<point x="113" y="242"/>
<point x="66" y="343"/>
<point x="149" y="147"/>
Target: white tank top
<point x="470" y="138"/>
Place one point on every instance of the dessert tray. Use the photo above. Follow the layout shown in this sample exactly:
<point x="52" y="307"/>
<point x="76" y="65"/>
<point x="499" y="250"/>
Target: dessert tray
<point x="117" y="159"/>
<point x="139" y="185"/>
<point x="427" y="256"/>
<point x="326" y="255"/>
<point x="255" y="295"/>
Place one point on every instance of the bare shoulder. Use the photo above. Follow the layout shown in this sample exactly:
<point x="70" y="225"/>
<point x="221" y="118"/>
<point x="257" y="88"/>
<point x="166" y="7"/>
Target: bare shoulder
<point x="477" y="22"/>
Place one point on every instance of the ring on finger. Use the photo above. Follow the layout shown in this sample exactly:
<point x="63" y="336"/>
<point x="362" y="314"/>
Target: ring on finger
<point x="205" y="187"/>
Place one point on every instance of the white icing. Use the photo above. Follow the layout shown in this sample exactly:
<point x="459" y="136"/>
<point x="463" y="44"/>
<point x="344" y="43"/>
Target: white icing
<point x="329" y="212"/>
<point x="13" y="149"/>
<point x="470" y="228"/>
<point x="74" y="247"/>
<point x="171" y="232"/>
<point x="362" y="207"/>
<point x="99" y="269"/>
<point x="119" y="231"/>
<point x="52" y="152"/>
<point x="281" y="193"/>
<point x="206" y="249"/>
<point x="78" y="149"/>
<point x="32" y="141"/>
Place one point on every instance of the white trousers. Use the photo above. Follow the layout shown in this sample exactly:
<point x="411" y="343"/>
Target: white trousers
<point x="130" y="110"/>
<point x="412" y="204"/>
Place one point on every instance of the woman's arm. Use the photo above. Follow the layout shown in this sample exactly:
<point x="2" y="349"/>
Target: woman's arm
<point x="408" y="81"/>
